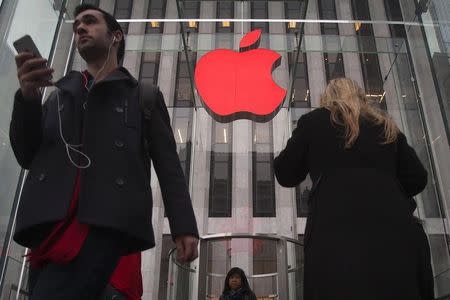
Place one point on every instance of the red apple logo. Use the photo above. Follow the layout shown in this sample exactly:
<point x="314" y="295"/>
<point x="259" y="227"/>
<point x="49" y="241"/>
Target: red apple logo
<point x="239" y="85"/>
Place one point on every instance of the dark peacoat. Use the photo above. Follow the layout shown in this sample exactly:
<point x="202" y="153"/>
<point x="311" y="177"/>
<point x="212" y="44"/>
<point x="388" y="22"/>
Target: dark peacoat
<point x="115" y="189"/>
<point x="360" y="237"/>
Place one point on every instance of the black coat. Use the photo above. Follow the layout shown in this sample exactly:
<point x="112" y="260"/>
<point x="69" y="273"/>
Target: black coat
<point x="360" y="237"/>
<point x="115" y="190"/>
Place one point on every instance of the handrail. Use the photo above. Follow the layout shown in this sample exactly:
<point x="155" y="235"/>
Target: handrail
<point x="257" y="275"/>
<point x="270" y="296"/>
<point x="171" y="251"/>
<point x="248" y="276"/>
<point x="228" y="235"/>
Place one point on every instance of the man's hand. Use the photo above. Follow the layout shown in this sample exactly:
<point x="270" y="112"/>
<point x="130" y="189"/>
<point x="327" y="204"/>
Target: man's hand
<point x="33" y="74"/>
<point x="186" y="248"/>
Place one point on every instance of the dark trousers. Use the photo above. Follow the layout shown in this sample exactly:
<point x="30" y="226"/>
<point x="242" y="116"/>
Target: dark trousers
<point x="84" y="278"/>
<point x="110" y="293"/>
<point x="425" y="274"/>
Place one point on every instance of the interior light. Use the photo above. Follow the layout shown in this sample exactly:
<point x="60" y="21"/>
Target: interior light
<point x="382" y="96"/>
<point x="225" y="135"/>
<point x="154" y="24"/>
<point x="226" y="24"/>
<point x="358" y="26"/>
<point x="292" y="24"/>
<point x="179" y="134"/>
<point x="376" y="96"/>
<point x="192" y="24"/>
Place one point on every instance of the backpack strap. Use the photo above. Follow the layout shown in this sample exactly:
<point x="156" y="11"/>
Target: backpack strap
<point x="148" y="94"/>
<point x="147" y="97"/>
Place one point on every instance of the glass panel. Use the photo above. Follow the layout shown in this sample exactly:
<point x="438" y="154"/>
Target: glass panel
<point x="39" y="20"/>
<point x="400" y="57"/>
<point x="265" y="265"/>
<point x="219" y="262"/>
<point x="334" y="65"/>
<point x="180" y="278"/>
<point x="226" y="254"/>
<point x="263" y="176"/>
<point x="296" y="261"/>
<point x="182" y="131"/>
<point x="165" y="282"/>
<point x="12" y="277"/>
<point x="221" y="171"/>
<point x="123" y="11"/>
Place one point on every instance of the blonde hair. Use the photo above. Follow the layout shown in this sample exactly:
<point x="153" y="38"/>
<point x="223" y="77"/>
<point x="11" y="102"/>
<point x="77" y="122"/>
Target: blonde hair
<point x="347" y="102"/>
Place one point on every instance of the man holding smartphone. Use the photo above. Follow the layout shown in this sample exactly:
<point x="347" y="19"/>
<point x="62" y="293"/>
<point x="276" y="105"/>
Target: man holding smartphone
<point x="87" y="201"/>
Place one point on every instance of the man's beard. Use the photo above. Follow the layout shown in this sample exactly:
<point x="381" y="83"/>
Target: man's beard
<point x="93" y="52"/>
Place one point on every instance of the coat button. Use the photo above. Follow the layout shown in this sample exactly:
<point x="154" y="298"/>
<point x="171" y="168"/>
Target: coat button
<point x="119" y="109"/>
<point x="118" y="143"/>
<point x="41" y="177"/>
<point x="120" y="181"/>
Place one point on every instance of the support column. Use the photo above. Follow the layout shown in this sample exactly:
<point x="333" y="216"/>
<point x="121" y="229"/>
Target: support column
<point x="352" y="63"/>
<point x="151" y="259"/>
<point x="242" y="213"/>
<point x="135" y="38"/>
<point x="378" y="12"/>
<point x="201" y="158"/>
<point x="316" y="66"/>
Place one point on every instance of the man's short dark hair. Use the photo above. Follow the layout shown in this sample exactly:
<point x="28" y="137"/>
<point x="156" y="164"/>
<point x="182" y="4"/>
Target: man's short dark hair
<point x="111" y="23"/>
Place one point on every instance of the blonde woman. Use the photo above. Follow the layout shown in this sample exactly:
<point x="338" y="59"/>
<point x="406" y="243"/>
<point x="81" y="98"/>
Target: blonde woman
<point x="359" y="239"/>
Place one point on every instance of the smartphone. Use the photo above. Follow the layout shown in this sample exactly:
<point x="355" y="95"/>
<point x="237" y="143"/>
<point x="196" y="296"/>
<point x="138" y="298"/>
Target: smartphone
<point x="26" y="44"/>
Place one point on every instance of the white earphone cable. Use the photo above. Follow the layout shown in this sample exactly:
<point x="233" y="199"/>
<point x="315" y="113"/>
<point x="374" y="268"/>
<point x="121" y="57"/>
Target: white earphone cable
<point x="73" y="147"/>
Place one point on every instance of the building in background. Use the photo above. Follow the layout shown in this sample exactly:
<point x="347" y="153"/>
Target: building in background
<point x="403" y="66"/>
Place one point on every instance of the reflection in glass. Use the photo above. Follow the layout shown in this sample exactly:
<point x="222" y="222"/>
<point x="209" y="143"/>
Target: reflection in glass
<point x="220" y="188"/>
<point x="327" y="11"/>
<point x="164" y="281"/>
<point x="264" y="262"/>
<point x="294" y="10"/>
<point x="259" y="10"/>
<point x="156" y="10"/>
<point x="191" y="10"/>
<point x="219" y="262"/>
<point x="122" y="10"/>
<point x="334" y="65"/>
<point x="149" y="68"/>
<point x="370" y="65"/>
<point x="225" y="10"/>
<point x="263" y="176"/>
<point x="301" y="93"/>
<point x="183" y="88"/>
<point x="182" y="131"/>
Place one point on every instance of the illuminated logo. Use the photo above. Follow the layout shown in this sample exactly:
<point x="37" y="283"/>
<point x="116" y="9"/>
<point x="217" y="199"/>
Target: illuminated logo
<point x="239" y="85"/>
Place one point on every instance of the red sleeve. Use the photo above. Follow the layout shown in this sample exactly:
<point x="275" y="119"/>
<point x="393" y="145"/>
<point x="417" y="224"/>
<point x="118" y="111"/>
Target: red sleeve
<point x="127" y="277"/>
